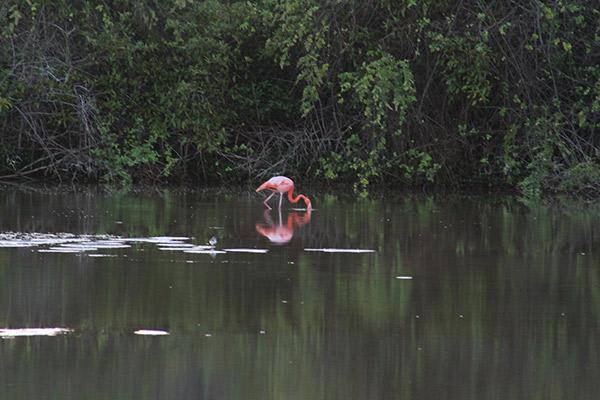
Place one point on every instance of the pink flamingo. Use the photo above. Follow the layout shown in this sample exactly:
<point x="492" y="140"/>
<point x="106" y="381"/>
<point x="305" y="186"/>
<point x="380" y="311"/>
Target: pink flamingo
<point x="282" y="184"/>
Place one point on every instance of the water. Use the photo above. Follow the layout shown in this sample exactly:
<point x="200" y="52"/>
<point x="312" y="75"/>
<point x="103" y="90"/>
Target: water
<point x="453" y="297"/>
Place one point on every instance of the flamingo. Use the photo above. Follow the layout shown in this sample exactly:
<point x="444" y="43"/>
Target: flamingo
<point x="282" y="184"/>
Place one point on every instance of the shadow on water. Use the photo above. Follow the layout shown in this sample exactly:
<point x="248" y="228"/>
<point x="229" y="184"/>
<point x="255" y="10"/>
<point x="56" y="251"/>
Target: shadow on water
<point x="504" y="302"/>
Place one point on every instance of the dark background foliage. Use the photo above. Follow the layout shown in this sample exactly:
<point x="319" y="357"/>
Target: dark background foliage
<point x="369" y="92"/>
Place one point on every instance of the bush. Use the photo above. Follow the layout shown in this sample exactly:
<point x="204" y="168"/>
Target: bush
<point x="368" y="93"/>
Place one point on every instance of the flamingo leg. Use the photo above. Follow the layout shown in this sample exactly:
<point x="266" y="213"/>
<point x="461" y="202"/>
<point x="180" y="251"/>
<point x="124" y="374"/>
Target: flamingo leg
<point x="267" y="199"/>
<point x="280" y="200"/>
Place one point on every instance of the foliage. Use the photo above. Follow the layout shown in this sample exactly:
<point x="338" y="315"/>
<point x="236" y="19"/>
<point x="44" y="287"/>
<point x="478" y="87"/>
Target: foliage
<point x="370" y="93"/>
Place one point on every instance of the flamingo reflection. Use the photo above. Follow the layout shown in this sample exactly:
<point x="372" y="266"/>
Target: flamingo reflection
<point x="280" y="233"/>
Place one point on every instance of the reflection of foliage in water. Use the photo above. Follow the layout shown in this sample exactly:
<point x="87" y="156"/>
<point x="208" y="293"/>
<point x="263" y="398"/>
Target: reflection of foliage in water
<point x="348" y="329"/>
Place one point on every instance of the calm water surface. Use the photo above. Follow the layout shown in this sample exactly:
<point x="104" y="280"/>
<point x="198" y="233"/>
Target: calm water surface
<point x="504" y="300"/>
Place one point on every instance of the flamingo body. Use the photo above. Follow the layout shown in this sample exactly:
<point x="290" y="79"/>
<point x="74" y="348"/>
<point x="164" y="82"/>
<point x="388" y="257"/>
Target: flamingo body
<point x="281" y="185"/>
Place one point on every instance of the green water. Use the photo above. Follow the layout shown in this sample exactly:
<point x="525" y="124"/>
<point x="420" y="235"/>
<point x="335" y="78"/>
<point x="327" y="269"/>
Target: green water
<point x="504" y="300"/>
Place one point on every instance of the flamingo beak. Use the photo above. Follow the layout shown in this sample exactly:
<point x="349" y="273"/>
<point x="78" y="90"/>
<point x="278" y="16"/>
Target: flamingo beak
<point x="261" y="187"/>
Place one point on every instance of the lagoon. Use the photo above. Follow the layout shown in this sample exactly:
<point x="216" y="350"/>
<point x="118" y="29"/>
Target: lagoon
<point x="407" y="296"/>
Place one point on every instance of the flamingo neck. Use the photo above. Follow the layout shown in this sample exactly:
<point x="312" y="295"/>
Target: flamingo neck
<point x="293" y="199"/>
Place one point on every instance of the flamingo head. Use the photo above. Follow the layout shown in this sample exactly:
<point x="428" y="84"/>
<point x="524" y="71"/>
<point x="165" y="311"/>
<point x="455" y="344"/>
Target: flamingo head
<point x="262" y="187"/>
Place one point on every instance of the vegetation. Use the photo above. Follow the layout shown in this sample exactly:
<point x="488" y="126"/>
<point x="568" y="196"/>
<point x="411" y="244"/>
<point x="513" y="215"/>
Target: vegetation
<point x="370" y="92"/>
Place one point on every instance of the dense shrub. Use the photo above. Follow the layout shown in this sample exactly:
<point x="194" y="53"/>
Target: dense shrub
<point x="364" y="92"/>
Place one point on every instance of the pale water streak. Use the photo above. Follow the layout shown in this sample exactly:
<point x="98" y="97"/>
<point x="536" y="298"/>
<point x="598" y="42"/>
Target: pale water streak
<point x="13" y="333"/>
<point x="151" y="332"/>
<point x="327" y="250"/>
